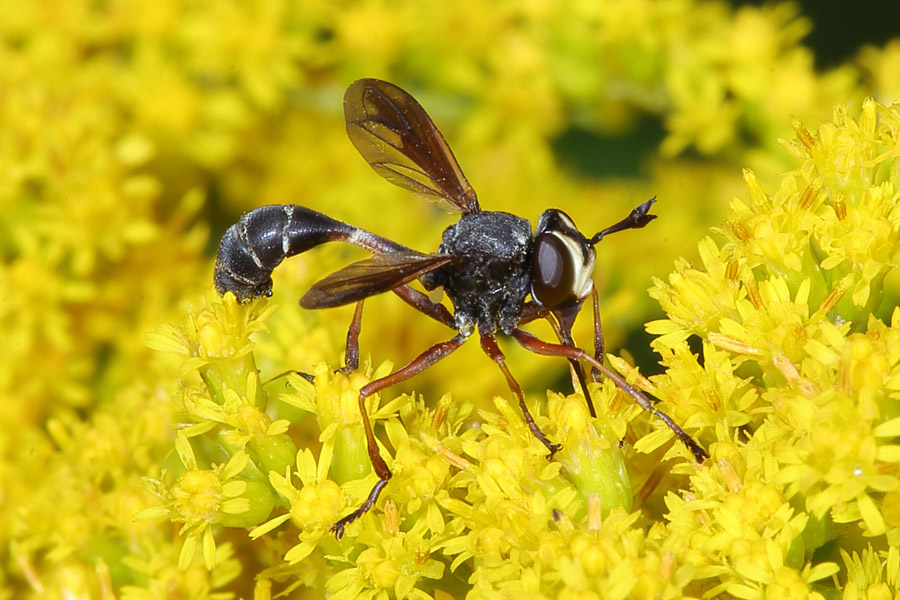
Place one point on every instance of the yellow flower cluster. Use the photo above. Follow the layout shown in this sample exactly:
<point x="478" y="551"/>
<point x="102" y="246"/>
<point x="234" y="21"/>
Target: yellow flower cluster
<point x="133" y="129"/>
<point x="459" y="494"/>
<point x="800" y="377"/>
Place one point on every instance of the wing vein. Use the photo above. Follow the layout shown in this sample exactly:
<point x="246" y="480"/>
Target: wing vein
<point x="393" y="133"/>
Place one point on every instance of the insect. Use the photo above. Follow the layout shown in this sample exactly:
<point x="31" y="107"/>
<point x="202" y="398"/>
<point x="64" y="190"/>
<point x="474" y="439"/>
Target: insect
<point x="488" y="263"/>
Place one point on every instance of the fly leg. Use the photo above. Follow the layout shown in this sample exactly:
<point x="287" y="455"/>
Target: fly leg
<point x="599" y="344"/>
<point x="561" y="322"/>
<point x="351" y="355"/>
<point x="424" y="305"/>
<point x="529" y="342"/>
<point x="414" y="298"/>
<point x="489" y="345"/>
<point x="419" y="364"/>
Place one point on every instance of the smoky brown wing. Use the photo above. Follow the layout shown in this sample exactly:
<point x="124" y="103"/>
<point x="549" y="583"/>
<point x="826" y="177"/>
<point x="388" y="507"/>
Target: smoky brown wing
<point x="399" y="140"/>
<point x="371" y="276"/>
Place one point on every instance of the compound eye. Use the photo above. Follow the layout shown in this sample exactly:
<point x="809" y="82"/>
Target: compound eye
<point x="554" y="271"/>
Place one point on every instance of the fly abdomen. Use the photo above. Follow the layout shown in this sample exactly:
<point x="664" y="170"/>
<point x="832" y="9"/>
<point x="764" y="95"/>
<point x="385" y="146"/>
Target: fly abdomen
<point x="252" y="248"/>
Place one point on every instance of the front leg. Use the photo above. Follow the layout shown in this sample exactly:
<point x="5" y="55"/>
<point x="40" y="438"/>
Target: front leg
<point x="599" y="344"/>
<point x="562" y="321"/>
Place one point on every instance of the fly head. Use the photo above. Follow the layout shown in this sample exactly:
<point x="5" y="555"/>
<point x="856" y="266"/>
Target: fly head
<point x="563" y="262"/>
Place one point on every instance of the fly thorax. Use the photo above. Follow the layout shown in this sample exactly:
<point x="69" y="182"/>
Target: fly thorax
<point x="492" y="278"/>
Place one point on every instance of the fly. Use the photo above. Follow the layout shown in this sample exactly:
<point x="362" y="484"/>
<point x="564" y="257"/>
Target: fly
<point x="488" y="263"/>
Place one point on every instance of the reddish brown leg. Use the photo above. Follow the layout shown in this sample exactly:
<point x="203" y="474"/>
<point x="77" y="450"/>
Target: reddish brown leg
<point x="489" y="345"/>
<point x="351" y="355"/>
<point x="414" y="298"/>
<point x="424" y="305"/>
<point x="419" y="364"/>
<point x="599" y="344"/>
<point x="529" y="342"/>
<point x="531" y="311"/>
<point x="582" y="381"/>
<point x="562" y="322"/>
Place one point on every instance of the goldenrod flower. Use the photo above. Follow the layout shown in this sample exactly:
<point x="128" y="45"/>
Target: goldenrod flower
<point x="135" y="132"/>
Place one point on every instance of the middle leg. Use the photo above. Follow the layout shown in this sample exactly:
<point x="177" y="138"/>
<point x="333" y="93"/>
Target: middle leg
<point x="489" y="345"/>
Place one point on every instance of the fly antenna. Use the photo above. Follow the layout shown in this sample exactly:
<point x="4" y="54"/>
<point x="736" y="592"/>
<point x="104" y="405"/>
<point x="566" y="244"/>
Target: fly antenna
<point x="638" y="218"/>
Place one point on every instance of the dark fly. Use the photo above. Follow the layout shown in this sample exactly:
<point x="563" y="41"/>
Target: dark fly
<point x="488" y="263"/>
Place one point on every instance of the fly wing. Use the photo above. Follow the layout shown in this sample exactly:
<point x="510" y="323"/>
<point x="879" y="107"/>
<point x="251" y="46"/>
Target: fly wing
<point x="371" y="276"/>
<point x="399" y="140"/>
